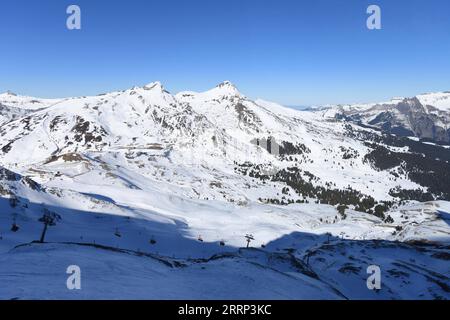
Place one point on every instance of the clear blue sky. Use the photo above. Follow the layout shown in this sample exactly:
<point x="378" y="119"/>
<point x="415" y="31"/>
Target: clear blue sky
<point x="296" y="52"/>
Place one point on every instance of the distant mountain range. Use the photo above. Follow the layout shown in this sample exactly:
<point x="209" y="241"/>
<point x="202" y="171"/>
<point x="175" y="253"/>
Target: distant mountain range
<point x="425" y="116"/>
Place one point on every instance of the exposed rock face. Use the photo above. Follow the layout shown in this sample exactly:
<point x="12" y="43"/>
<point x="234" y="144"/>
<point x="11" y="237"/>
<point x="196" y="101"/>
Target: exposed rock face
<point x="9" y="114"/>
<point x="408" y="117"/>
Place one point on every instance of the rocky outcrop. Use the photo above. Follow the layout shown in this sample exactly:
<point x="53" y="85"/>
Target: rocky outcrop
<point x="408" y="117"/>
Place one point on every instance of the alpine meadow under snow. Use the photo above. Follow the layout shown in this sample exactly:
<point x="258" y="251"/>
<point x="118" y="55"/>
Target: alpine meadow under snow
<point x="156" y="196"/>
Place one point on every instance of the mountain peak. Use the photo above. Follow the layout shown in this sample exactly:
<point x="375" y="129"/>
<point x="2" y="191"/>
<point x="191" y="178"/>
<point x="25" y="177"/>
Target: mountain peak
<point x="9" y="93"/>
<point x="154" y="85"/>
<point x="226" y="88"/>
<point x="226" y="84"/>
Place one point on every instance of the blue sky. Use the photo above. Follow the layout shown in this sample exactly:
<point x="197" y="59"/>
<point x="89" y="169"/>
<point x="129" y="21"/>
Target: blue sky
<point x="296" y="52"/>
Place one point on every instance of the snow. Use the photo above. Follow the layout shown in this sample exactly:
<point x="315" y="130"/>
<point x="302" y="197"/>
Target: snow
<point x="439" y="100"/>
<point x="107" y="275"/>
<point x="152" y="165"/>
<point x="23" y="102"/>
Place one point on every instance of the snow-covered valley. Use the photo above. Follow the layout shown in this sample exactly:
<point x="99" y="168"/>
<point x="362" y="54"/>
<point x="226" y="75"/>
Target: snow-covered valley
<point x="155" y="194"/>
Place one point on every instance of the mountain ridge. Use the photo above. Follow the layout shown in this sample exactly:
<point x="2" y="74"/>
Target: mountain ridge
<point x="425" y="116"/>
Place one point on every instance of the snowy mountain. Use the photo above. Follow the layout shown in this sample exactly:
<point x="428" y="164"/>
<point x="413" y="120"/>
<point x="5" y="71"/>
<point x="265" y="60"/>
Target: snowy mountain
<point x="425" y="116"/>
<point x="156" y="190"/>
<point x="13" y="106"/>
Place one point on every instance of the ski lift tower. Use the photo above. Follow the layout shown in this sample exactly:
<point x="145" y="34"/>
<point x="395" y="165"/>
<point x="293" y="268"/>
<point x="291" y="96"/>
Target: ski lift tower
<point x="249" y="238"/>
